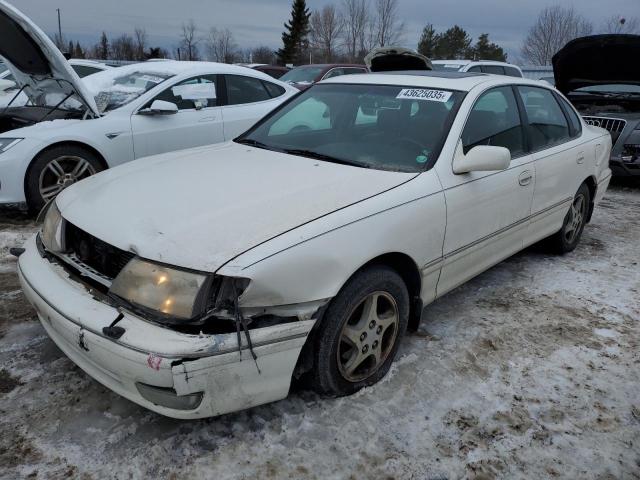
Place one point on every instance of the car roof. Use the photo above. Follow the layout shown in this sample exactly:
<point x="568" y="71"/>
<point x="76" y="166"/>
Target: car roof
<point x="467" y="62"/>
<point x="462" y="81"/>
<point x="175" y="67"/>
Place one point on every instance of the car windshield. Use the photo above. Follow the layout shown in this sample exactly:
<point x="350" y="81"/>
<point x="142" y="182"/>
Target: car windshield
<point x="611" y="88"/>
<point x="449" y="67"/>
<point x="113" y="89"/>
<point x="302" y="75"/>
<point x="373" y="126"/>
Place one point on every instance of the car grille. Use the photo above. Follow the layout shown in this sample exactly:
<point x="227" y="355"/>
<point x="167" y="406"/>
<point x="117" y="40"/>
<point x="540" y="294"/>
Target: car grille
<point x="615" y="126"/>
<point x="105" y="259"/>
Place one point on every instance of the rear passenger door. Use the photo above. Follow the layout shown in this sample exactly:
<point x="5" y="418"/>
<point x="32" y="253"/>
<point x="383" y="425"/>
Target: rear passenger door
<point x="247" y="99"/>
<point x="487" y="212"/>
<point x="559" y="158"/>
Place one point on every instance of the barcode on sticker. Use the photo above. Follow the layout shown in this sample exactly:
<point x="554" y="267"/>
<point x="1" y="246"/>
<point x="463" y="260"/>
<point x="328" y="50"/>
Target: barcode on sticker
<point x="424" y="94"/>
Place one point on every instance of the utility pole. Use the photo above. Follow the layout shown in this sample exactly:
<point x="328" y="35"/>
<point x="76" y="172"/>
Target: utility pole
<point x="59" y="30"/>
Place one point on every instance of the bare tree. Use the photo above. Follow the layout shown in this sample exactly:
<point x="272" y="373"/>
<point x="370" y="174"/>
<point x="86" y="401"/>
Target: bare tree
<point x="388" y="27"/>
<point x="354" y="20"/>
<point x="554" y="27"/>
<point x="123" y="48"/>
<point x="262" y="54"/>
<point x="189" y="41"/>
<point x="221" y="46"/>
<point x="140" y="35"/>
<point x="619" y="24"/>
<point x="326" y="28"/>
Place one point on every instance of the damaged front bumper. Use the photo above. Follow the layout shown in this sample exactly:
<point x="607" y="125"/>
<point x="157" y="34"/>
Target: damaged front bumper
<point x="175" y="374"/>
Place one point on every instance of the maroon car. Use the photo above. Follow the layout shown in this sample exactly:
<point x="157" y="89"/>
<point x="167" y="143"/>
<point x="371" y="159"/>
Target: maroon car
<point x="276" y="71"/>
<point x="306" y="75"/>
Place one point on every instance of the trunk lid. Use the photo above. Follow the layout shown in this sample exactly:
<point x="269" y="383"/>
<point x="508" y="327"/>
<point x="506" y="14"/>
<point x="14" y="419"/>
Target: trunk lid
<point x="391" y="59"/>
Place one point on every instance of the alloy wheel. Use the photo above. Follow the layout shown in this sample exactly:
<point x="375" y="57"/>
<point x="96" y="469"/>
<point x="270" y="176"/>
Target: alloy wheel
<point x="368" y="336"/>
<point x="61" y="172"/>
<point x="576" y="218"/>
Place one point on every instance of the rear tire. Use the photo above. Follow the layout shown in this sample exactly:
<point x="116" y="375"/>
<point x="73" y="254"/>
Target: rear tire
<point x="360" y="332"/>
<point x="568" y="237"/>
<point x="54" y="170"/>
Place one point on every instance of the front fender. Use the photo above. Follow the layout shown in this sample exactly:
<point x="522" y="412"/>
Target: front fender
<point x="313" y="262"/>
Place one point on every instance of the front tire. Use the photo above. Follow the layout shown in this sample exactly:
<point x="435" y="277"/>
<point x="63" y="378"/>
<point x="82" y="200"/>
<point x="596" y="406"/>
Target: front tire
<point x="54" y="170"/>
<point x="361" y="332"/>
<point x="567" y="239"/>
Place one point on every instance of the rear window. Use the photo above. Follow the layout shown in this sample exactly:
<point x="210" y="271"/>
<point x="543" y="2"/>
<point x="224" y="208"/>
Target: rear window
<point x="493" y="69"/>
<point x="512" y="72"/>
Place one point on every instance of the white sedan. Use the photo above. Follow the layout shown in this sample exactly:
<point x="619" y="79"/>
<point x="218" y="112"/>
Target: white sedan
<point x="72" y="129"/>
<point x="200" y="282"/>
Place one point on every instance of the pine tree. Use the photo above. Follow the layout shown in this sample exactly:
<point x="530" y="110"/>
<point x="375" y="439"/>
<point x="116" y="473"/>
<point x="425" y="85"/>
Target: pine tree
<point x="453" y="44"/>
<point x="78" y="52"/>
<point x="486" y="50"/>
<point x="70" y="48"/>
<point x="428" y="41"/>
<point x="103" y="48"/>
<point x="295" y="37"/>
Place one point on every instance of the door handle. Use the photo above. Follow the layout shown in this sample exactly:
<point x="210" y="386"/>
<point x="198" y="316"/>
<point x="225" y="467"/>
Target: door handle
<point x="207" y="119"/>
<point x="525" y="178"/>
<point x="580" y="158"/>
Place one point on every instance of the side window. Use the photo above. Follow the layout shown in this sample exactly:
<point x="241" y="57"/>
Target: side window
<point x="273" y="89"/>
<point x="84" y="70"/>
<point x="194" y="93"/>
<point x="547" y="123"/>
<point x="336" y="72"/>
<point x="475" y="68"/>
<point x="574" y="121"/>
<point x="512" y="72"/>
<point x="494" y="69"/>
<point x="241" y="90"/>
<point x="494" y="120"/>
<point x="350" y="71"/>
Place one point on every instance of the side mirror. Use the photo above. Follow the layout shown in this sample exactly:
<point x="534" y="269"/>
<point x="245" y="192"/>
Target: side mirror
<point x="482" y="158"/>
<point x="160" y="107"/>
<point x="6" y="85"/>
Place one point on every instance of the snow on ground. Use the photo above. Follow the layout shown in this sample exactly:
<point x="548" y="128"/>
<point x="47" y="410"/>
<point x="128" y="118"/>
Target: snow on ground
<point x="531" y="370"/>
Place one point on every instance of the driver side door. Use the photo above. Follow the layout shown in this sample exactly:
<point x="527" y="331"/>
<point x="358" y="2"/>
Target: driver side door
<point x="487" y="212"/>
<point x="197" y="122"/>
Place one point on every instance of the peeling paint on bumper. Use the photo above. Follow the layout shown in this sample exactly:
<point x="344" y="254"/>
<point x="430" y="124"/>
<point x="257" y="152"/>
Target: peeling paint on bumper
<point x="157" y="356"/>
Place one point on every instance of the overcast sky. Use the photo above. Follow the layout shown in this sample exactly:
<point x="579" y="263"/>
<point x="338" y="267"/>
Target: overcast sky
<point x="260" y="22"/>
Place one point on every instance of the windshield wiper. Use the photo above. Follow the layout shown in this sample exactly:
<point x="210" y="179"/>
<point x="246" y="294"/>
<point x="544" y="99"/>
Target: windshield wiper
<point x="326" y="158"/>
<point x="255" y="143"/>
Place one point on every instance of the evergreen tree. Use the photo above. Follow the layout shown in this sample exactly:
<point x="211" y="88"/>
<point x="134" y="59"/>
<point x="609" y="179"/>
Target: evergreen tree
<point x="453" y="44"/>
<point x="295" y="37"/>
<point x="77" y="51"/>
<point x="486" y="50"/>
<point x="70" y="48"/>
<point x="103" y="47"/>
<point x="428" y="41"/>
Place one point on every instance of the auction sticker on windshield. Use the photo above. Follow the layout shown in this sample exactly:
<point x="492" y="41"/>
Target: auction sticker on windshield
<point x="424" y="94"/>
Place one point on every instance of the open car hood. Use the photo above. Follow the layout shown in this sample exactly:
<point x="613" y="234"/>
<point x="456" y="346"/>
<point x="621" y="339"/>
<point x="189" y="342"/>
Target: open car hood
<point x="36" y="63"/>
<point x="389" y="59"/>
<point x="597" y="60"/>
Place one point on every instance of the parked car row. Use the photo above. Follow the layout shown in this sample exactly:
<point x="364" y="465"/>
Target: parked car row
<point x="203" y="281"/>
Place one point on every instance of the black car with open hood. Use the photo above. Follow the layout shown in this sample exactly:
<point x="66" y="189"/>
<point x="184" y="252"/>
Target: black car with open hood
<point x="600" y="74"/>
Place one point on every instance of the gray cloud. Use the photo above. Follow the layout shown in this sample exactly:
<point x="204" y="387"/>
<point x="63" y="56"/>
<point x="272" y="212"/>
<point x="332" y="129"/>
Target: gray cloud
<point x="257" y="22"/>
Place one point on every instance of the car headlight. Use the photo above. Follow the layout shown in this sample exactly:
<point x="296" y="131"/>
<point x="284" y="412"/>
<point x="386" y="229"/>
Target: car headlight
<point x="178" y="294"/>
<point x="52" y="229"/>
<point x="7" y="143"/>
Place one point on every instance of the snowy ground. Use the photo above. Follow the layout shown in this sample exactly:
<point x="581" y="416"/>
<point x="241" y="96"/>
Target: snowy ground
<point x="530" y="370"/>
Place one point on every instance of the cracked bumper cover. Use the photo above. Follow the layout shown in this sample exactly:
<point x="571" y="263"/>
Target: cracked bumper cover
<point x="206" y="366"/>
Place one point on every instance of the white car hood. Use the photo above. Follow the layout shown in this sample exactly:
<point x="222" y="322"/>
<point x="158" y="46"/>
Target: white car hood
<point x="202" y="207"/>
<point x="36" y="63"/>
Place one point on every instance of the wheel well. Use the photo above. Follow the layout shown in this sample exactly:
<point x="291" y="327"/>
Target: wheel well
<point x="98" y="155"/>
<point x="591" y="184"/>
<point x="410" y="273"/>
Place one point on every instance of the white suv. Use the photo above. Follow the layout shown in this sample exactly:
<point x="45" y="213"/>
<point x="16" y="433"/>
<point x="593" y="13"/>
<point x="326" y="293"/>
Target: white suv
<point x="483" y="66"/>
